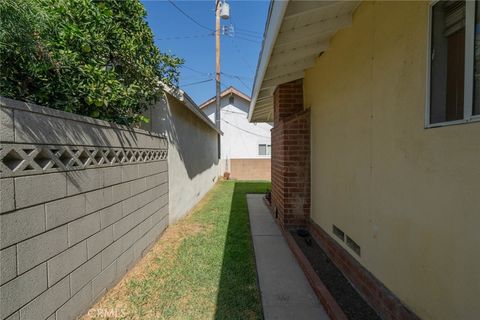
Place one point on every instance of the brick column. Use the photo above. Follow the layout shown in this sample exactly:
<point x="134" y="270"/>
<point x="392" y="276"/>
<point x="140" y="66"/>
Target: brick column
<point x="291" y="156"/>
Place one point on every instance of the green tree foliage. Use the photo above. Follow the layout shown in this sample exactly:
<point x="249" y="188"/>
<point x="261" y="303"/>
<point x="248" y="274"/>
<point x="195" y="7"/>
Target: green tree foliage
<point x="94" y="58"/>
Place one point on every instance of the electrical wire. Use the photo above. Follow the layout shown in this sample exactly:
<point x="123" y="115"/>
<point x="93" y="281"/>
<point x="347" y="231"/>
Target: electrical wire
<point x="238" y="78"/>
<point x="244" y="35"/>
<point x="211" y="73"/>
<point x="194" y="83"/>
<point x="247" y="35"/>
<point x="242" y="57"/>
<point x="197" y="71"/>
<point x="246" y="39"/>
<point x="258" y="34"/>
<point x="243" y="113"/>
<point x="194" y="36"/>
<point x="232" y="32"/>
<point x="254" y="133"/>
<point x="190" y="17"/>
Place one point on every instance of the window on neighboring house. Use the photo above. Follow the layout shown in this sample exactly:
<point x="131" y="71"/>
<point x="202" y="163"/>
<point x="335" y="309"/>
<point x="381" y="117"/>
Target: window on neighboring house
<point x="454" y="62"/>
<point x="264" y="149"/>
<point x="231" y="99"/>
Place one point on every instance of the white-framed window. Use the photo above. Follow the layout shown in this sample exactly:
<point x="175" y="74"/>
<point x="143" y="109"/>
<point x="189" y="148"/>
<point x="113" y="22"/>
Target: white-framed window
<point x="264" y="149"/>
<point x="453" y="63"/>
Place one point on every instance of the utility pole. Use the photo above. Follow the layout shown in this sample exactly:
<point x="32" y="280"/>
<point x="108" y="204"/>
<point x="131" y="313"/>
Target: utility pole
<point x="217" y="64"/>
<point x="222" y="10"/>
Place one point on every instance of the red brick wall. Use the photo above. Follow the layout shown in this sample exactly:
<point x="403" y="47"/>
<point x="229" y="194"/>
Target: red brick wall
<point x="287" y="100"/>
<point x="291" y="156"/>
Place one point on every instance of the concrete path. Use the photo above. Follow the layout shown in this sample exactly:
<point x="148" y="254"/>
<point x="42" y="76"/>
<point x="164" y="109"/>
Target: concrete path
<point x="286" y="293"/>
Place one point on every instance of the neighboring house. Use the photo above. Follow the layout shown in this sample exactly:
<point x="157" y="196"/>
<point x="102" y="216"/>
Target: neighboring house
<point x="192" y="149"/>
<point x="245" y="147"/>
<point x="376" y="144"/>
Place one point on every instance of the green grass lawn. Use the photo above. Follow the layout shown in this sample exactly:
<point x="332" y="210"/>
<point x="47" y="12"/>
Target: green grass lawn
<point x="201" y="268"/>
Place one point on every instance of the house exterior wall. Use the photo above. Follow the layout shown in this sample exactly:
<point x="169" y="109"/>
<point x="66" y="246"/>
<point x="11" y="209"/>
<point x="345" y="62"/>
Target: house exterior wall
<point x="81" y="200"/>
<point x="407" y="195"/>
<point x="192" y="153"/>
<point x="240" y="138"/>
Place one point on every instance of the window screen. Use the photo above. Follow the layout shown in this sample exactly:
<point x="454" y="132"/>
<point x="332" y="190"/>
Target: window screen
<point x="476" y="99"/>
<point x="447" y="61"/>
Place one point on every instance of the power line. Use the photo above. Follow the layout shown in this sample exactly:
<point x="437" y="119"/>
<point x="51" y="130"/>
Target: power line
<point x="194" y="36"/>
<point x="246" y="30"/>
<point x="242" y="58"/>
<point x="246" y="39"/>
<point x="197" y="71"/>
<point x="250" y="31"/>
<point x="254" y="133"/>
<point x="185" y="79"/>
<point x="211" y="73"/>
<point x="190" y="17"/>
<point x="244" y="84"/>
<point x="194" y="83"/>
<point x="238" y="78"/>
<point x="229" y="75"/>
<point x="248" y="35"/>
<point x="232" y="32"/>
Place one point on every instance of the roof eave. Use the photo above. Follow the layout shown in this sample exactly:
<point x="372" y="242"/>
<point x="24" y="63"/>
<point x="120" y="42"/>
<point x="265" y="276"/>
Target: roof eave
<point x="296" y="33"/>
<point x="274" y="22"/>
<point x="230" y="89"/>
<point x="184" y="98"/>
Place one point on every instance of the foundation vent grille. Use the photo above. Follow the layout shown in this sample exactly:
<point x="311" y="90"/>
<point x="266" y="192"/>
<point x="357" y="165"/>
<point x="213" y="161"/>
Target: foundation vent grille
<point x="338" y="232"/>
<point x="353" y="245"/>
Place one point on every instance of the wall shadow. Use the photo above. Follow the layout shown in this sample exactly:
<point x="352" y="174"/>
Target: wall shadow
<point x="239" y="293"/>
<point x="195" y="140"/>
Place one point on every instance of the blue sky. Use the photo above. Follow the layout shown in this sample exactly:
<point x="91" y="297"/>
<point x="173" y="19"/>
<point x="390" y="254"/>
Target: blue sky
<point x="177" y="34"/>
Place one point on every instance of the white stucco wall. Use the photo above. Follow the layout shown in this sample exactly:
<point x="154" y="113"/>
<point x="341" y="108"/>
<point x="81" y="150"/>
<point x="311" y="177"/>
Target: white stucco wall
<point x="193" y="164"/>
<point x="240" y="138"/>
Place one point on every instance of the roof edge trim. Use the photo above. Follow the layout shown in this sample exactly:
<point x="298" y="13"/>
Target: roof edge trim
<point x="275" y="18"/>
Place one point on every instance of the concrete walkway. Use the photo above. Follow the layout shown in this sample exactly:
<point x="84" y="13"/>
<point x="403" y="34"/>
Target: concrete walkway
<point x="286" y="293"/>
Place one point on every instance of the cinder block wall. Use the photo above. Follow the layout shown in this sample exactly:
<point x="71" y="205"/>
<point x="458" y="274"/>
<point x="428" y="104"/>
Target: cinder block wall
<point x="81" y="200"/>
<point x="192" y="151"/>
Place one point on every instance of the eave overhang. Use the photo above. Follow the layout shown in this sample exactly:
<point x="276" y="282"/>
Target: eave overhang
<point x="296" y="33"/>
<point x="188" y="102"/>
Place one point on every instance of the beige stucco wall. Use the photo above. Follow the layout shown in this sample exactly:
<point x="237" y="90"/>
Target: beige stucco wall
<point x="193" y="166"/>
<point x="409" y="196"/>
<point x="250" y="169"/>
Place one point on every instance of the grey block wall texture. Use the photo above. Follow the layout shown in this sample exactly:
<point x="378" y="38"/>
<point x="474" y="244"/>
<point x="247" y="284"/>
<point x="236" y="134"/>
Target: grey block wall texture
<point x="192" y="151"/>
<point x="81" y="201"/>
